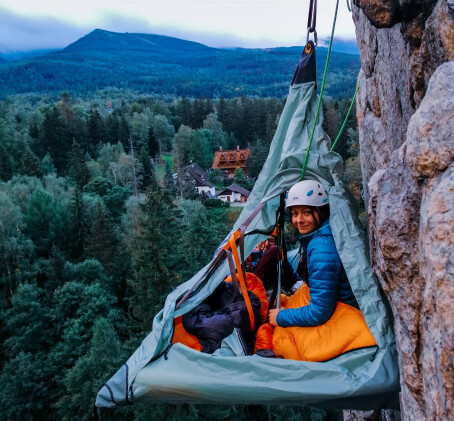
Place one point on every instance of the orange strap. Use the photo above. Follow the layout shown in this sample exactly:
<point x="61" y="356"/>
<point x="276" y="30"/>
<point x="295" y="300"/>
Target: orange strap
<point x="236" y="257"/>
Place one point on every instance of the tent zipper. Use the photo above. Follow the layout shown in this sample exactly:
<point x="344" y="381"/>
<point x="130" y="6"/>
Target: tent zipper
<point x="241" y="339"/>
<point x="166" y="351"/>
<point x="372" y="358"/>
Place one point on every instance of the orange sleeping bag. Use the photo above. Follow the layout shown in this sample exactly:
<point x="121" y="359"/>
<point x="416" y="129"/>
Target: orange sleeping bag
<point x="344" y="331"/>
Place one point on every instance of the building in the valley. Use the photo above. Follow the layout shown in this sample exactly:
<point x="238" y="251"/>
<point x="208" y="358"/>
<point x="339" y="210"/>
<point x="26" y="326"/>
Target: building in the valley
<point x="229" y="161"/>
<point x="203" y="186"/>
<point x="234" y="193"/>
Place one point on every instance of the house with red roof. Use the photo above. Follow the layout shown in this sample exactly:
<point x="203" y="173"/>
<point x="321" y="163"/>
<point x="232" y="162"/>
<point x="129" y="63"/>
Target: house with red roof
<point x="228" y="161"/>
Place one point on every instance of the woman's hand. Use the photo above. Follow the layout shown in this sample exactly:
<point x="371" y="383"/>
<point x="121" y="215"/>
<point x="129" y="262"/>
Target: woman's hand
<point x="272" y="314"/>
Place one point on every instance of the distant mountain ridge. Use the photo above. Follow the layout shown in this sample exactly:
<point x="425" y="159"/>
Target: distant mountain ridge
<point x="161" y="65"/>
<point x="115" y="41"/>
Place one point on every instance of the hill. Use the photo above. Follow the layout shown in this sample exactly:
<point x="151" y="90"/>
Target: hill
<point x="160" y="65"/>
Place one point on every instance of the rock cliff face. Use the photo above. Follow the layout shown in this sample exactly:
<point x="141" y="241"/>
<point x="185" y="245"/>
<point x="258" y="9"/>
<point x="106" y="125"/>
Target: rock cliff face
<point x="405" y="112"/>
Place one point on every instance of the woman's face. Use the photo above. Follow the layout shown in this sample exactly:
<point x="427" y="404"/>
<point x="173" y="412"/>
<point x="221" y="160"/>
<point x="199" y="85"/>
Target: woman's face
<point x="305" y="218"/>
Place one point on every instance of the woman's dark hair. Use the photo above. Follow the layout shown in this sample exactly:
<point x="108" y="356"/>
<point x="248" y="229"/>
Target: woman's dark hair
<point x="323" y="211"/>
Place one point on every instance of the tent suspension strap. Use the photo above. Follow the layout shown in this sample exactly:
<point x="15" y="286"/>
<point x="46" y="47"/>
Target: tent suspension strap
<point x="321" y="93"/>
<point x="312" y="21"/>
<point x="346" y="117"/>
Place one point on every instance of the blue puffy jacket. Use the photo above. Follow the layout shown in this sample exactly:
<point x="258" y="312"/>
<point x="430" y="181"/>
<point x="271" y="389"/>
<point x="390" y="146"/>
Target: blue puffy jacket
<point x="328" y="281"/>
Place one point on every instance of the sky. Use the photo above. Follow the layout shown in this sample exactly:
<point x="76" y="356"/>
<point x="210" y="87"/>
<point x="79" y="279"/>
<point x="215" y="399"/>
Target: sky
<point x="51" y="24"/>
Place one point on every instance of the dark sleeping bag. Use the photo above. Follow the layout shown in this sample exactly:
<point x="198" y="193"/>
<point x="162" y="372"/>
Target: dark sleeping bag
<point x="216" y="317"/>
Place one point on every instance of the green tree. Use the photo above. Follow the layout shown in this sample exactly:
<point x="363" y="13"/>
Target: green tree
<point x="53" y="139"/>
<point x="83" y="381"/>
<point x="257" y="157"/>
<point x="78" y="227"/>
<point x="217" y="177"/>
<point x="44" y="222"/>
<point x="200" y="149"/>
<point x="330" y="119"/>
<point x="76" y="307"/>
<point x="198" y="114"/>
<point x="240" y="179"/>
<point x="99" y="186"/>
<point x="47" y="165"/>
<point x="153" y="145"/>
<point x="88" y="272"/>
<point x="181" y="148"/>
<point x="112" y="125"/>
<point x="102" y="242"/>
<point x="96" y="132"/>
<point x="24" y="391"/>
<point x="115" y="201"/>
<point x="154" y="257"/>
<point x="30" y="164"/>
<point x="124" y="131"/>
<point x="163" y="132"/>
<point x="140" y="126"/>
<point x="6" y="164"/>
<point x="347" y="144"/>
<point x="196" y="238"/>
<point x="27" y="322"/>
<point x="219" y="137"/>
<point x="108" y="154"/>
<point x="77" y="166"/>
<point x="184" y="111"/>
<point x="15" y="248"/>
<point x="169" y="182"/>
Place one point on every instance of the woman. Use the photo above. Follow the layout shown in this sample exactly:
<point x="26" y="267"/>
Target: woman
<point x="320" y="266"/>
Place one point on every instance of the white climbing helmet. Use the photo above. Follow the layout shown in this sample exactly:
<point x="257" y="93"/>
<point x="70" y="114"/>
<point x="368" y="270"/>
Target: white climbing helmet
<point x="307" y="193"/>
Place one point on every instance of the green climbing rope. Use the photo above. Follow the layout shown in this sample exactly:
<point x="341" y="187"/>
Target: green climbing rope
<point x="321" y="93"/>
<point x="346" y="117"/>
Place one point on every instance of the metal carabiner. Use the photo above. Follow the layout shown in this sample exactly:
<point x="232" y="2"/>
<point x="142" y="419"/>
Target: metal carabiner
<point x="312" y="20"/>
<point x="315" y="36"/>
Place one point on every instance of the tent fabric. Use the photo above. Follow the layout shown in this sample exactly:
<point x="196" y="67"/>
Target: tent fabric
<point x="362" y="379"/>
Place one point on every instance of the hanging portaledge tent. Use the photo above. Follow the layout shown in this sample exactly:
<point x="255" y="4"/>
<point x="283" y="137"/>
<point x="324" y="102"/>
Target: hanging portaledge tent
<point x="362" y="379"/>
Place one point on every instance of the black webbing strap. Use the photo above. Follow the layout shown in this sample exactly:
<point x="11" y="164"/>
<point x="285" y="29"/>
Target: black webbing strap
<point x="281" y="253"/>
<point x="243" y="231"/>
<point x="236" y="286"/>
<point x="312" y="20"/>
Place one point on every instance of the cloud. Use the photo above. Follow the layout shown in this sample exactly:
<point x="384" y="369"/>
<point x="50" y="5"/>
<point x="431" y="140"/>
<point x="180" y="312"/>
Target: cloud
<point x="20" y="33"/>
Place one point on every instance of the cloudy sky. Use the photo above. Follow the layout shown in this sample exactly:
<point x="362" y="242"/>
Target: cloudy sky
<point x="30" y="24"/>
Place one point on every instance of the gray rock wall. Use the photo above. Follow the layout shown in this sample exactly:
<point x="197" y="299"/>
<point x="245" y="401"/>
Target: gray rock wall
<point x="405" y="112"/>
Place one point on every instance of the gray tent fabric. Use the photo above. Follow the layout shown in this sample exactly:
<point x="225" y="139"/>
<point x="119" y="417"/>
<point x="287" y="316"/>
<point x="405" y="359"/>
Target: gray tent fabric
<point x="361" y="379"/>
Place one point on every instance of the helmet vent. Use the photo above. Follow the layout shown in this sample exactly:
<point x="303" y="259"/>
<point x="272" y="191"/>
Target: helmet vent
<point x="320" y="194"/>
<point x="309" y="193"/>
